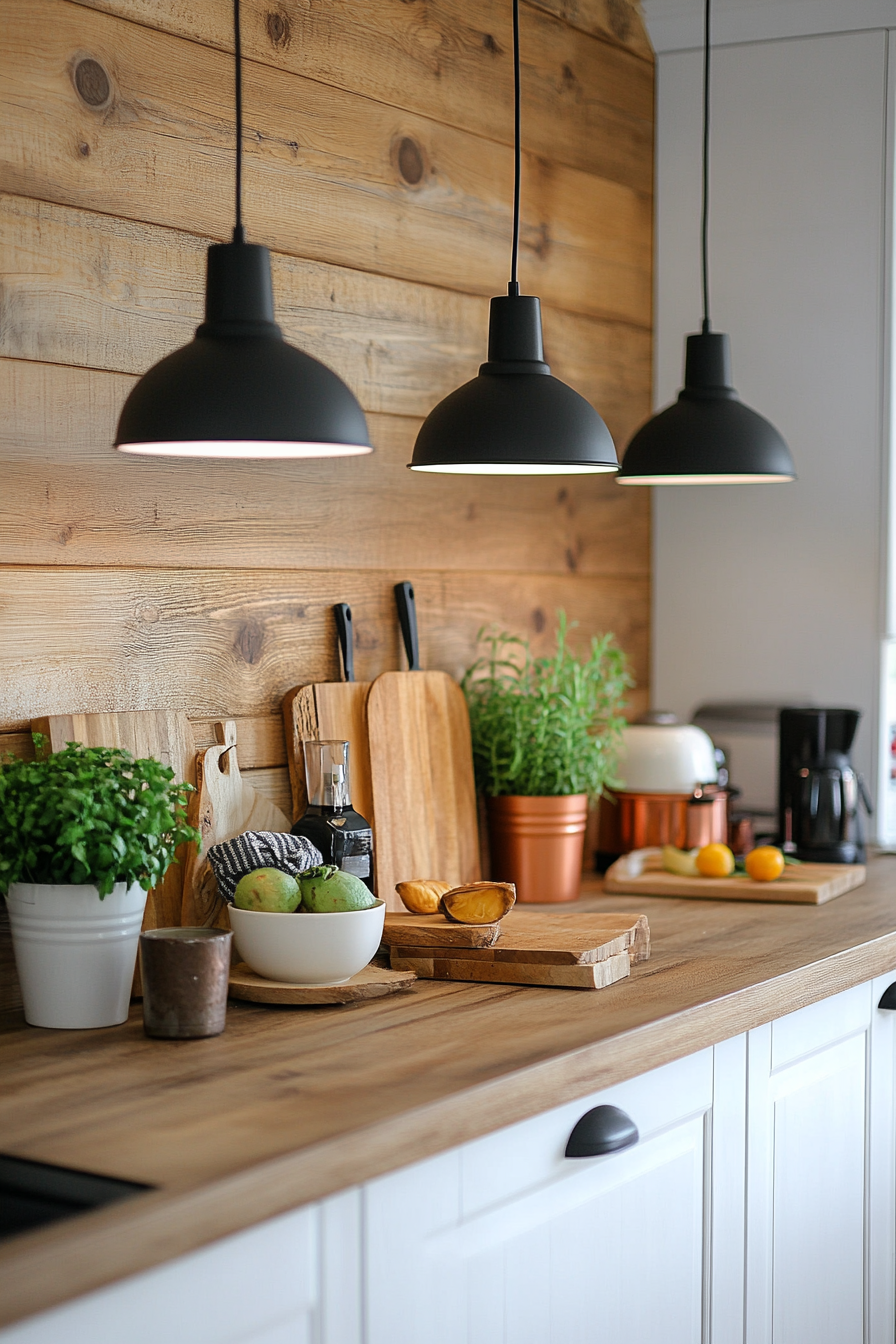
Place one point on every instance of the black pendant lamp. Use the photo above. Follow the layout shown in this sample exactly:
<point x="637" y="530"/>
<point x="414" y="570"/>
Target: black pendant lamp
<point x="514" y="419"/>
<point x="708" y="437"/>
<point x="238" y="390"/>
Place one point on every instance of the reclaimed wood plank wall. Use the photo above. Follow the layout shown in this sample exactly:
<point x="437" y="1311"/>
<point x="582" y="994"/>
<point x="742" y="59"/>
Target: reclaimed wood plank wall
<point x="379" y="171"/>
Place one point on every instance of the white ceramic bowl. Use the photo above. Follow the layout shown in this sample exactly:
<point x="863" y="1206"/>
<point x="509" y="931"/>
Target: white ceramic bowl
<point x="308" y="949"/>
<point x="666" y="758"/>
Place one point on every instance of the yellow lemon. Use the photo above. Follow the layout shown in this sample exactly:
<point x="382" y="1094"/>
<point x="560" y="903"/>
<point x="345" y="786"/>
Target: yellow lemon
<point x="715" y="861"/>
<point x="764" y="864"/>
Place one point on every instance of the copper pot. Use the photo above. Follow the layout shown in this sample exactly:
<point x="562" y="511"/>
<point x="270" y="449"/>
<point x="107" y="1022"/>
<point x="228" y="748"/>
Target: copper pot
<point x="538" y="844"/>
<point x="643" y="820"/>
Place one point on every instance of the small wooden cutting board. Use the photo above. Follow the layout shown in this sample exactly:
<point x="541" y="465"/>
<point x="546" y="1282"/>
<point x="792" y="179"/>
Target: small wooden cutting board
<point x="803" y="884"/>
<point x="320" y="712"/>
<point x="223" y="806"/>
<point x="597" y="975"/>
<point x="436" y="931"/>
<point x="371" y="983"/>
<point x="568" y="939"/>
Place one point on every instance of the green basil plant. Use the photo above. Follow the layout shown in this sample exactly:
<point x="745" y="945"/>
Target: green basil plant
<point x="91" y="815"/>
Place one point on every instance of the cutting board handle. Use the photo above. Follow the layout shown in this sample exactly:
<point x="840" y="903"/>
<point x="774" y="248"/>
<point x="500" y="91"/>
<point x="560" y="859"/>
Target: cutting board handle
<point x="345" y="634"/>
<point x="407" y="619"/>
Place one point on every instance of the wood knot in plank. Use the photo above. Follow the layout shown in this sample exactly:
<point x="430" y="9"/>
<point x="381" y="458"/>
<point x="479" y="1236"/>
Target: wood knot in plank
<point x="539" y="620"/>
<point x="279" y="29"/>
<point x="490" y="44"/>
<point x="92" y="83"/>
<point x="410" y="160"/>
<point x="249" y="642"/>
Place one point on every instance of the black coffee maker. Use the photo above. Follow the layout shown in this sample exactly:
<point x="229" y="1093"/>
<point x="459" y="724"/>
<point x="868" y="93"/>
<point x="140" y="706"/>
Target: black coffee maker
<point x="819" y="792"/>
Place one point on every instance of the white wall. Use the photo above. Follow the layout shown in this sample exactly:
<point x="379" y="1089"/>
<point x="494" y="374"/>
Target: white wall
<point x="775" y="592"/>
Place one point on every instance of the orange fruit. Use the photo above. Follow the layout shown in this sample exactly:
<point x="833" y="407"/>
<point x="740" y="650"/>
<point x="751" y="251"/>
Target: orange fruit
<point x="715" y="861"/>
<point x="765" y="864"/>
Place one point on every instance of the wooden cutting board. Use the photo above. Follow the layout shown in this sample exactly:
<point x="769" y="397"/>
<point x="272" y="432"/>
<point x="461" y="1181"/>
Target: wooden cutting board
<point x="164" y="734"/>
<point x="223" y="806"/>
<point x="371" y="983"/>
<point x="595" y="975"/>
<point x="421" y="767"/>
<point x="806" y="884"/>
<point x="329" y="709"/>
<point x="572" y="939"/>
<point x="578" y="952"/>
<point x="407" y="930"/>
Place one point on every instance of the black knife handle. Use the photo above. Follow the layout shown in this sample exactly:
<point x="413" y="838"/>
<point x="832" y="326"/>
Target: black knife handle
<point x="407" y="619"/>
<point x="343" y="613"/>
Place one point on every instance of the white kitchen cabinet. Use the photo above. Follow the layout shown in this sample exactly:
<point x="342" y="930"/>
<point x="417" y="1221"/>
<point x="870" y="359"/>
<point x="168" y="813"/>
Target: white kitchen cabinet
<point x="820" y="1187"/>
<point x="758" y="1207"/>
<point x="291" y="1280"/>
<point x="505" y="1239"/>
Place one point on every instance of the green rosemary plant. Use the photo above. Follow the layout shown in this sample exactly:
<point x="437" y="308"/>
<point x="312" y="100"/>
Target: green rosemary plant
<point x="545" y="726"/>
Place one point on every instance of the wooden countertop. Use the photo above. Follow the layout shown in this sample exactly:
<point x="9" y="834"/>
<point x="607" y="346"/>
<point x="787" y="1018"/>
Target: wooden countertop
<point x="293" y="1104"/>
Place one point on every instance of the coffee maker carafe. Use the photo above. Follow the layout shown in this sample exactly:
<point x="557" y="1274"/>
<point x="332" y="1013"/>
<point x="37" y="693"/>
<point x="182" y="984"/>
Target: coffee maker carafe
<point x="819" y="792"/>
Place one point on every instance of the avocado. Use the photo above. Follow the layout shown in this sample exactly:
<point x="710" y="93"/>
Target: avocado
<point x="268" y="889"/>
<point x="327" y="890"/>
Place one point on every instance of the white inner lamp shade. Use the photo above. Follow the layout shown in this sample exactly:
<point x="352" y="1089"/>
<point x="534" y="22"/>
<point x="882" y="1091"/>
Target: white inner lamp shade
<point x="244" y="448"/>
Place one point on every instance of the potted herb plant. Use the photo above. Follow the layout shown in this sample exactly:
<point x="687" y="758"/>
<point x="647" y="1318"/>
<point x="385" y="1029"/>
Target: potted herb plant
<point x="84" y="834"/>
<point x="545" y="734"/>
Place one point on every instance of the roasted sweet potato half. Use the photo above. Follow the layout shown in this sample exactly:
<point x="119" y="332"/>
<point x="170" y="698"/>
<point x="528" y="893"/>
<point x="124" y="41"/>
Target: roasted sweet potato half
<point x="422" y="894"/>
<point x="478" y="902"/>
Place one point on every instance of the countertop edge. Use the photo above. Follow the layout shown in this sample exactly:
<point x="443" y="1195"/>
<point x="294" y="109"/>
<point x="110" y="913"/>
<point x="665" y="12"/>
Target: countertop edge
<point x="46" y="1268"/>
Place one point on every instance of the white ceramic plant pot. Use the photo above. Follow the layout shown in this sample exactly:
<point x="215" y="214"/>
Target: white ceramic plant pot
<point x="75" y="954"/>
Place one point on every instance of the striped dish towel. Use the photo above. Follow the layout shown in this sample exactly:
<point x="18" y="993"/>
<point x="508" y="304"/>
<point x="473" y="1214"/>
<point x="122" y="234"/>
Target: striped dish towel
<point x="233" y="859"/>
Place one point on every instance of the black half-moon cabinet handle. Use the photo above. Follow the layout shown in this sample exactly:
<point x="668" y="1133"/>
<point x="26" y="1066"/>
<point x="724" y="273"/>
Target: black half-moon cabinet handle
<point x="888" y="998"/>
<point x="605" y="1129"/>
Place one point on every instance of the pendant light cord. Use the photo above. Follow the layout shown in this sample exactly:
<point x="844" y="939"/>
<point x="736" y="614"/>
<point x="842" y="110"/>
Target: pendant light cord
<point x="239" y="233"/>
<point x="513" y="287"/>
<point x="707" y="326"/>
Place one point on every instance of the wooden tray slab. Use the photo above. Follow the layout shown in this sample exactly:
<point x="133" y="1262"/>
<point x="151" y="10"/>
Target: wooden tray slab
<point x="595" y="976"/>
<point x="371" y="983"/>
<point x="807" y="884"/>
<point x="436" y="931"/>
<point x="562" y="939"/>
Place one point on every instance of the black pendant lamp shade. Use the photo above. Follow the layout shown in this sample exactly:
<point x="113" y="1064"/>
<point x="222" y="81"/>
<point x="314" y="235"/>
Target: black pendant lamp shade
<point x="708" y="436"/>
<point x="238" y="389"/>
<point x="514" y="418"/>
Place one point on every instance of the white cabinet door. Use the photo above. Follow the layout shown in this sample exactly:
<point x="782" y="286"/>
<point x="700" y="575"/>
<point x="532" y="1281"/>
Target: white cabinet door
<point x="292" y="1280"/>
<point x="820" y="1200"/>
<point x="506" y="1241"/>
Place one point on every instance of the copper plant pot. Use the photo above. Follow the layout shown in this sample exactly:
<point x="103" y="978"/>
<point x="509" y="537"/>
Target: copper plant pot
<point x="538" y="843"/>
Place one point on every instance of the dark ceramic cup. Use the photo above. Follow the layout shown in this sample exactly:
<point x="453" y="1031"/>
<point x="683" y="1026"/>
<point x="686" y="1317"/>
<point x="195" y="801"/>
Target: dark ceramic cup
<point x="185" y="974"/>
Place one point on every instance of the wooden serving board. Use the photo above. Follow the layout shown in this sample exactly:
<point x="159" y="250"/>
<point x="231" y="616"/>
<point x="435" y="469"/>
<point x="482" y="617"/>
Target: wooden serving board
<point x="424" y="797"/>
<point x="371" y="983"/>
<point x="164" y="734"/>
<point x="524" y="936"/>
<point x="596" y="975"/>
<point x="329" y="709"/>
<point x="223" y="806"/>
<point x="806" y="884"/>
<point x="436" y="931"/>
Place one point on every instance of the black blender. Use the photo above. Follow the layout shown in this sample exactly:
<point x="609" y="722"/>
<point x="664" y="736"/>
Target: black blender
<point x="330" y="822"/>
